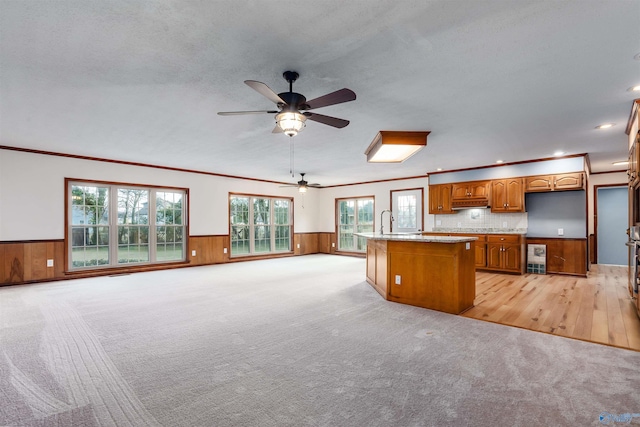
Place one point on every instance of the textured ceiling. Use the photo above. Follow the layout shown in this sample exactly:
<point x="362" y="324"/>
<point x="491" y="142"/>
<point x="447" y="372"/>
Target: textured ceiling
<point x="142" y="81"/>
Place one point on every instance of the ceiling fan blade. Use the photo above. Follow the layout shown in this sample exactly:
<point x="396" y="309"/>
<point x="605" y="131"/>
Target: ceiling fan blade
<point x="337" y="97"/>
<point x="327" y="120"/>
<point x="239" y="113"/>
<point x="265" y="91"/>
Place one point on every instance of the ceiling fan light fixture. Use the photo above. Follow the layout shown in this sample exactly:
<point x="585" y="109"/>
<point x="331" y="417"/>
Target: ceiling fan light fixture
<point x="291" y="122"/>
<point x="395" y="146"/>
<point x="302" y="189"/>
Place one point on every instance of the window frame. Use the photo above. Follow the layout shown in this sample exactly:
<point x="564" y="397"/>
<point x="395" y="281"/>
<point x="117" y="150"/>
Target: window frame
<point x="113" y="224"/>
<point x="356" y="239"/>
<point x="251" y="226"/>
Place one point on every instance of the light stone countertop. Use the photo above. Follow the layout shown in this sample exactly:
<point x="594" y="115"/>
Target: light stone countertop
<point x="415" y="237"/>
<point x="479" y="230"/>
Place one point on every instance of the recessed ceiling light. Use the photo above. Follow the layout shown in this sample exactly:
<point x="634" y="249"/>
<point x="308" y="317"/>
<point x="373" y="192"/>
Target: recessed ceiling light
<point x="439" y="169"/>
<point x="558" y="153"/>
<point x="499" y="161"/>
<point x="634" y="88"/>
<point x="605" y="126"/>
<point x="621" y="163"/>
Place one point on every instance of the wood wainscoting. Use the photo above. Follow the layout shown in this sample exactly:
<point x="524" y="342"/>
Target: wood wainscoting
<point x="314" y="243"/>
<point x="209" y="249"/>
<point x="26" y="261"/>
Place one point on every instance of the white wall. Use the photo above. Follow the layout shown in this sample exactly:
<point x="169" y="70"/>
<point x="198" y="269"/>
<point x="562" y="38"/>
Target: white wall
<point x="32" y="194"/>
<point x="382" y="197"/>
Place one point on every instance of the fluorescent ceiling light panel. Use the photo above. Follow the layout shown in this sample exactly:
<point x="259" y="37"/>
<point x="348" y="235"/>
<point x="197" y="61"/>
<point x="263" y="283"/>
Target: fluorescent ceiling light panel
<point x="395" y="146"/>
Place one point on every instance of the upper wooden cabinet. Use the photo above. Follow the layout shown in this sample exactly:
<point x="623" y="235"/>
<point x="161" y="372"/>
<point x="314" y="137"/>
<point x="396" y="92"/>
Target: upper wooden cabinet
<point x="471" y="190"/>
<point x="507" y="195"/>
<point x="559" y="182"/>
<point x="440" y="199"/>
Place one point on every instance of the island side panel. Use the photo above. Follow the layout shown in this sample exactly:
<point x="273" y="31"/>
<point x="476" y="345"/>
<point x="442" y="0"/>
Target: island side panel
<point x="438" y="276"/>
<point x="377" y="265"/>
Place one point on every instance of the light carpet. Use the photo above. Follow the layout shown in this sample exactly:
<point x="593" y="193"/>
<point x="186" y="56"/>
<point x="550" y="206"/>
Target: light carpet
<point x="301" y="341"/>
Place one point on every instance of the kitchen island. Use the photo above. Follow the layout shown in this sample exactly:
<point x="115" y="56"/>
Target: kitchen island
<point x="435" y="272"/>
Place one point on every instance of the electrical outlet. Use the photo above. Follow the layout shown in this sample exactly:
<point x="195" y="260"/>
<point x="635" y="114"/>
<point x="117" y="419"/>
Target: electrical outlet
<point x="504" y="224"/>
<point x="459" y="225"/>
<point x="438" y="223"/>
<point x="298" y="245"/>
<point x="398" y="279"/>
<point x="467" y="246"/>
<point x="224" y="250"/>
<point x="193" y="253"/>
<point x="560" y="231"/>
<point x="49" y="263"/>
<point x="333" y="245"/>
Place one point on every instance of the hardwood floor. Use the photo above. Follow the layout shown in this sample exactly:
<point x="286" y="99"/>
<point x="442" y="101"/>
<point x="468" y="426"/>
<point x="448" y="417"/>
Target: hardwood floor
<point x="596" y="308"/>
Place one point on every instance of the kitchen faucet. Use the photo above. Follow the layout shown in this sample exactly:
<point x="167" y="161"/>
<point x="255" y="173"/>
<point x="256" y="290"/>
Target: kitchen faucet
<point x="382" y="213"/>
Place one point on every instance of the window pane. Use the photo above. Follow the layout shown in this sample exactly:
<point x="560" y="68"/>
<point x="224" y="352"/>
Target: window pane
<point x="133" y="206"/>
<point x="282" y="238"/>
<point x="239" y="239"/>
<point x="168" y="207"/>
<point x="261" y="214"/>
<point x="262" y="239"/>
<point x="407" y="213"/>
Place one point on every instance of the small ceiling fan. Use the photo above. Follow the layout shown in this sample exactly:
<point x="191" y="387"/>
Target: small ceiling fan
<point x="293" y="107"/>
<point x="302" y="184"/>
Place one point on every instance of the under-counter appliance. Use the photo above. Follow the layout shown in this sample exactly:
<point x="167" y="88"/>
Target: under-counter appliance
<point x="634" y="260"/>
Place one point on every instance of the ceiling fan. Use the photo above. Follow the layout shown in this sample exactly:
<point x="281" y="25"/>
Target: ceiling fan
<point x="293" y="107"/>
<point x="302" y="184"/>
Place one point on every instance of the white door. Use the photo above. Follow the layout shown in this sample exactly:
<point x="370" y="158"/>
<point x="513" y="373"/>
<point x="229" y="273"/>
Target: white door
<point x="406" y="206"/>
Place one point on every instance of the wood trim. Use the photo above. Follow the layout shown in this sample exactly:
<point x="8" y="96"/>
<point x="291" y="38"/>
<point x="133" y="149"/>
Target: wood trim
<point x="123" y="162"/>
<point x="508" y="164"/>
<point x="632" y="115"/>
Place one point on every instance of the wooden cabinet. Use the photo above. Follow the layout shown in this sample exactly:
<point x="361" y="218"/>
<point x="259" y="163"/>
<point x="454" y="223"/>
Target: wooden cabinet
<point x="475" y="193"/>
<point x="507" y="195"/>
<point x="558" y="182"/>
<point x="564" y="256"/>
<point x="505" y="252"/>
<point x="440" y="199"/>
<point x="481" y="250"/>
<point x="634" y="153"/>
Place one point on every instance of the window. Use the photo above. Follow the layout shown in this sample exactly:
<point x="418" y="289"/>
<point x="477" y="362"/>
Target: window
<point x="407" y="210"/>
<point x="354" y="216"/>
<point x="260" y="225"/>
<point x="112" y="225"/>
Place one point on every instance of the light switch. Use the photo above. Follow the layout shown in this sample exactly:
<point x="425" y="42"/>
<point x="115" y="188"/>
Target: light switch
<point x="49" y="263"/>
<point x="468" y="246"/>
<point x="459" y="225"/>
<point x="560" y="231"/>
<point x="398" y="279"/>
<point x="224" y="251"/>
<point x="193" y="252"/>
<point x="298" y="245"/>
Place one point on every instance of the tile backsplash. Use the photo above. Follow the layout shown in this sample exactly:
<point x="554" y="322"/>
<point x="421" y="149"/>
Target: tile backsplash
<point x="481" y="219"/>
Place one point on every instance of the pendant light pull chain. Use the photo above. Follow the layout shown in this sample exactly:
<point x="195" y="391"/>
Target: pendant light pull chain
<point x="291" y="158"/>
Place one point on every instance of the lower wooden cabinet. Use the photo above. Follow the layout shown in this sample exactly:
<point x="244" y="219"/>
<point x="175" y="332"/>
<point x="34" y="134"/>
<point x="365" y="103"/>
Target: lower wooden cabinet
<point x="564" y="256"/>
<point x="505" y="253"/>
